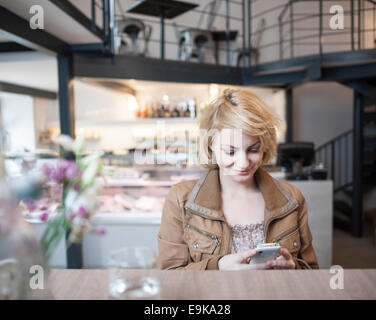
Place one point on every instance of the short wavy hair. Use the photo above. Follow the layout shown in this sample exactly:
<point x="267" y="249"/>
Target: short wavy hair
<point x="238" y="109"/>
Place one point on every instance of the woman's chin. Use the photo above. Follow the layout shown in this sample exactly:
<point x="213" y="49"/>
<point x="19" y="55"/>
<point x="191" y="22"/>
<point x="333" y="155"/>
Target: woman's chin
<point x="241" y="177"/>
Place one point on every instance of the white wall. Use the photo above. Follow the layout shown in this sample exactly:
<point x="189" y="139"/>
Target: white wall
<point x="30" y="69"/>
<point x="18" y="121"/>
<point x="45" y="111"/>
<point x="322" y="111"/>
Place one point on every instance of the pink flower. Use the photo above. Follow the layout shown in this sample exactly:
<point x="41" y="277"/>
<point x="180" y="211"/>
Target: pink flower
<point x="57" y="175"/>
<point x="71" y="215"/>
<point x="63" y="164"/>
<point x="44" y="216"/>
<point x="72" y="171"/>
<point x="83" y="212"/>
<point x="46" y="169"/>
<point x="56" y="191"/>
<point x="30" y="204"/>
<point x="43" y="203"/>
<point x="101" y="230"/>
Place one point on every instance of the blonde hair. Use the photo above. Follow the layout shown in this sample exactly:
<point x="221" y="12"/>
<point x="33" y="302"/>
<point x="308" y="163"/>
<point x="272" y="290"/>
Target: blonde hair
<point x="238" y="109"/>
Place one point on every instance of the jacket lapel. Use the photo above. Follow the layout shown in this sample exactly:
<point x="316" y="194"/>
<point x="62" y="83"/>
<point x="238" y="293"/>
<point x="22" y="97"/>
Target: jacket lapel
<point x="205" y="197"/>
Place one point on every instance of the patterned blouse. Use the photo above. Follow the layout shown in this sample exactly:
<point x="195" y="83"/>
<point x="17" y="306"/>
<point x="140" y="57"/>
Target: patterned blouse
<point x="245" y="237"/>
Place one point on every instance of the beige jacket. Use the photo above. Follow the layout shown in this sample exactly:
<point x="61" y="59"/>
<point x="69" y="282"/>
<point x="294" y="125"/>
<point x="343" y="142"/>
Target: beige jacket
<point x="195" y="235"/>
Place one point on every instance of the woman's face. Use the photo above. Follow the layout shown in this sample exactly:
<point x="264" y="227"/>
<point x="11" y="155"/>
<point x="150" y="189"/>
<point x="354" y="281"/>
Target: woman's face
<point x="237" y="154"/>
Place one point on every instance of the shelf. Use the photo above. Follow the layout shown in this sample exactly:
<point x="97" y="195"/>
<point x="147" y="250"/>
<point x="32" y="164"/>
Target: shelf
<point x="88" y="123"/>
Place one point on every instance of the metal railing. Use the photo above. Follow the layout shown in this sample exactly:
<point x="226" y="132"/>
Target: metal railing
<point x="357" y="9"/>
<point x="287" y="37"/>
<point x="336" y="157"/>
<point x="228" y="48"/>
<point x="287" y="34"/>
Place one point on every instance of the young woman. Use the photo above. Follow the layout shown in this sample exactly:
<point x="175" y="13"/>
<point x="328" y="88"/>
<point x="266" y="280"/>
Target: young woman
<point x="215" y="222"/>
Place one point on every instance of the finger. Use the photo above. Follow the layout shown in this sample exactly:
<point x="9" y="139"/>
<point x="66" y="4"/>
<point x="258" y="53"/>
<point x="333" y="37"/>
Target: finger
<point x="247" y="254"/>
<point x="276" y="262"/>
<point x="285" y="253"/>
<point x="282" y="264"/>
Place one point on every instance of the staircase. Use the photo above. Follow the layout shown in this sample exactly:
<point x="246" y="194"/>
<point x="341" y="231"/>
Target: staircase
<point x="338" y="157"/>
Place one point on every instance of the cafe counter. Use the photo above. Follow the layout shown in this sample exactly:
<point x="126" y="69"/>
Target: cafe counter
<point x="140" y="226"/>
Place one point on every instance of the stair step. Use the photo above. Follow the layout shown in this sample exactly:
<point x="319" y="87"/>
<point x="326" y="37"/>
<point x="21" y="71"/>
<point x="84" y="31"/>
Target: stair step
<point x="370" y="144"/>
<point x="349" y="193"/>
<point x="369" y="116"/>
<point x="343" y="207"/>
<point x="342" y="224"/>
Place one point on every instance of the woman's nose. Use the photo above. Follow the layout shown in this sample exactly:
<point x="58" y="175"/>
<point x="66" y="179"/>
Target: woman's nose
<point x="242" y="161"/>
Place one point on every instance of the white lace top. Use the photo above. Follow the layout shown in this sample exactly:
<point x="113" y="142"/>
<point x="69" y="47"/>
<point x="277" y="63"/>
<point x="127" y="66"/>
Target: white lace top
<point x="245" y="237"/>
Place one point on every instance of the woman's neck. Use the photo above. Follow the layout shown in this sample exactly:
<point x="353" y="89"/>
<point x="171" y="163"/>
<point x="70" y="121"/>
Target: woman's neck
<point x="231" y="187"/>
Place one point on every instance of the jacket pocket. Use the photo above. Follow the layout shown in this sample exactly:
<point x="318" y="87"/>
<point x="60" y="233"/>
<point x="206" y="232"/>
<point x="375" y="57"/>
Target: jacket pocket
<point x="200" y="241"/>
<point x="289" y="239"/>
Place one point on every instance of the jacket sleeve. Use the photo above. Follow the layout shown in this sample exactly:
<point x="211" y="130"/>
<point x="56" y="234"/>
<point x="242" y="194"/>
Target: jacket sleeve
<point x="173" y="250"/>
<point x="306" y="258"/>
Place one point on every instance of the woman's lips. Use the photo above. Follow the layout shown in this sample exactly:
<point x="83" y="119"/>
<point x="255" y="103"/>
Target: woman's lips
<point x="242" y="173"/>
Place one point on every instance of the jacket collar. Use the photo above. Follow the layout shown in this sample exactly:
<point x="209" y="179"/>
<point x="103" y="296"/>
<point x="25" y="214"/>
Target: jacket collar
<point x="205" y="197"/>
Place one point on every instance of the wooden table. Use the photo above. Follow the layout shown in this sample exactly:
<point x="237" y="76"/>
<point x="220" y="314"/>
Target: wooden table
<point x="222" y="285"/>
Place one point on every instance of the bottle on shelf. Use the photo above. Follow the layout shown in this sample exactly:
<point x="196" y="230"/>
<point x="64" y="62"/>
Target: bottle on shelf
<point x="154" y="113"/>
<point x="192" y="108"/>
<point x="201" y="109"/>
<point x="175" y="112"/>
<point x="146" y="112"/>
<point x="167" y="113"/>
<point x="150" y="110"/>
<point x="187" y="112"/>
<point x="138" y="112"/>
<point x="181" y="110"/>
<point x="159" y="110"/>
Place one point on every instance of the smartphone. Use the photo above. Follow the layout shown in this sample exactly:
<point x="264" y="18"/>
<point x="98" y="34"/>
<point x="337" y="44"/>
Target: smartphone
<point x="265" y="252"/>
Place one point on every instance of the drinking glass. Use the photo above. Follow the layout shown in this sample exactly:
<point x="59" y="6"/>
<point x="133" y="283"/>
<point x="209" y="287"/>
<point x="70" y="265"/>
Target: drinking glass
<point x="125" y="284"/>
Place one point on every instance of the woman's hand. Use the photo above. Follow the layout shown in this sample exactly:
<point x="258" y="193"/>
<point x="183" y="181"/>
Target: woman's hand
<point x="284" y="261"/>
<point x="237" y="261"/>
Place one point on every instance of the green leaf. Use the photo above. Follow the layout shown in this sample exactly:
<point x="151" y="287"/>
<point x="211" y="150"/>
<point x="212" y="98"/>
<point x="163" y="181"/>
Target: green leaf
<point x="79" y="144"/>
<point x="53" y="234"/>
<point x="86" y="161"/>
<point x="89" y="174"/>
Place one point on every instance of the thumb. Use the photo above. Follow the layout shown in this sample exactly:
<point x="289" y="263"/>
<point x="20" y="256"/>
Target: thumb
<point x="247" y="254"/>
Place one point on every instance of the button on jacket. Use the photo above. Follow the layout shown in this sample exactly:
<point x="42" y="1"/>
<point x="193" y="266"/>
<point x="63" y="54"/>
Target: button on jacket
<point x="194" y="233"/>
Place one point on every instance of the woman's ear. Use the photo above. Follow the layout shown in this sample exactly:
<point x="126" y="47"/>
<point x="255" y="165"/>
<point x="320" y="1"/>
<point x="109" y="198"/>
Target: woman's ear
<point x="263" y="158"/>
<point x="212" y="154"/>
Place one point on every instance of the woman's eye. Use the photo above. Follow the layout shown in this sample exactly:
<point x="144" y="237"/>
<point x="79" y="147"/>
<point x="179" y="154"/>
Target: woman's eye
<point x="254" y="150"/>
<point x="230" y="153"/>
